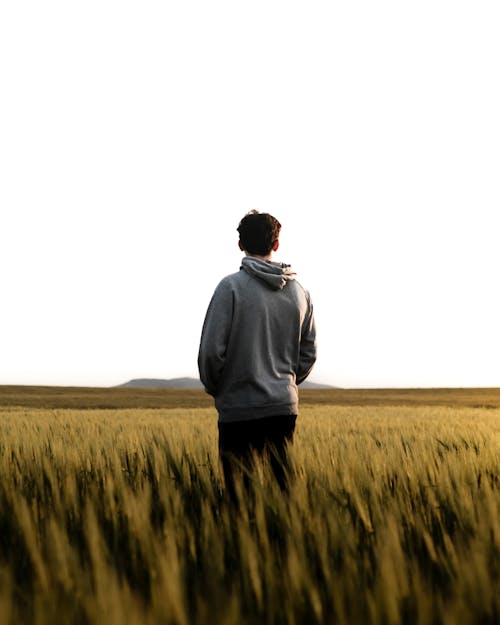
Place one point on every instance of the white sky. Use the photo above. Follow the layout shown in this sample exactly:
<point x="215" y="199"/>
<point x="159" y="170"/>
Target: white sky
<point x="135" y="135"/>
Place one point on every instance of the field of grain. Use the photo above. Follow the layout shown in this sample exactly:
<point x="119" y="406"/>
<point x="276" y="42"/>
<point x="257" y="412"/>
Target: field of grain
<point x="120" y="517"/>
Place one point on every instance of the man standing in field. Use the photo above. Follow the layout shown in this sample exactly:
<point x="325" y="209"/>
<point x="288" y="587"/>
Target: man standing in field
<point x="258" y="343"/>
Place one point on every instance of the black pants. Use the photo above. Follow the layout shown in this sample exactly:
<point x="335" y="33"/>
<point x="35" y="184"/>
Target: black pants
<point x="241" y="442"/>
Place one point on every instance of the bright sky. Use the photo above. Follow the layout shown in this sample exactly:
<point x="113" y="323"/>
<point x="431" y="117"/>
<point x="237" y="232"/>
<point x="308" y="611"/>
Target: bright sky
<point x="134" y="136"/>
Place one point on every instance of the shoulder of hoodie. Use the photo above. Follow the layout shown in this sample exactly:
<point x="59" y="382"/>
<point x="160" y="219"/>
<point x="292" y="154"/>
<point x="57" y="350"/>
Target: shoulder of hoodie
<point x="229" y="281"/>
<point x="304" y="290"/>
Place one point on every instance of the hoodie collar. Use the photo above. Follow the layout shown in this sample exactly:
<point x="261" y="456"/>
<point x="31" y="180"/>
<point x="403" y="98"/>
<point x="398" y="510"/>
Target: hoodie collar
<point x="275" y="275"/>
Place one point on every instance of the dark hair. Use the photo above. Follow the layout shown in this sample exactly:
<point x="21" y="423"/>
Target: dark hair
<point x="258" y="232"/>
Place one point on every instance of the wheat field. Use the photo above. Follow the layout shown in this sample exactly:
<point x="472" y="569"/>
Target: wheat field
<point x="120" y="517"/>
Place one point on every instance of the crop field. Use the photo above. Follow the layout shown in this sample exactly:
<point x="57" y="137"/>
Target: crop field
<point x="120" y="516"/>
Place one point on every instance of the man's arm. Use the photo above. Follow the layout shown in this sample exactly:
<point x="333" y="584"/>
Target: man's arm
<point x="307" y="356"/>
<point x="215" y="337"/>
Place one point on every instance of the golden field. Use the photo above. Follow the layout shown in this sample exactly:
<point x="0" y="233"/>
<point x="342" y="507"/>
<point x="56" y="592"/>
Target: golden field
<point x="85" y="398"/>
<point x="119" y="516"/>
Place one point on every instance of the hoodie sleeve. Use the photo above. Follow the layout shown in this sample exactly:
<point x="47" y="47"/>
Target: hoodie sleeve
<point x="307" y="356"/>
<point x="215" y="338"/>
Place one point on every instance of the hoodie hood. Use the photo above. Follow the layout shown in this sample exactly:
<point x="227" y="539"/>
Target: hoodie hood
<point x="275" y="275"/>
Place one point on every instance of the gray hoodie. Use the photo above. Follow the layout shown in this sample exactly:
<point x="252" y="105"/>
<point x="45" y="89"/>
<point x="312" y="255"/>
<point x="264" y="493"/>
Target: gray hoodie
<point x="258" y="342"/>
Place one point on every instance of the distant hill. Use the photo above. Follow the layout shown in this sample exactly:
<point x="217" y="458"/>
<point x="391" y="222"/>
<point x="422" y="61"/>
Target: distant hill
<point x="159" y="383"/>
<point x="192" y="383"/>
<point x="313" y="385"/>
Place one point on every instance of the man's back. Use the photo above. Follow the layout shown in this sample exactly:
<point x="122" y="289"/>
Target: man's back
<point x="258" y="342"/>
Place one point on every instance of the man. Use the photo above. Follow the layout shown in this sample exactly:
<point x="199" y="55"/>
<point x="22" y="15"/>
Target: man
<point x="258" y="343"/>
